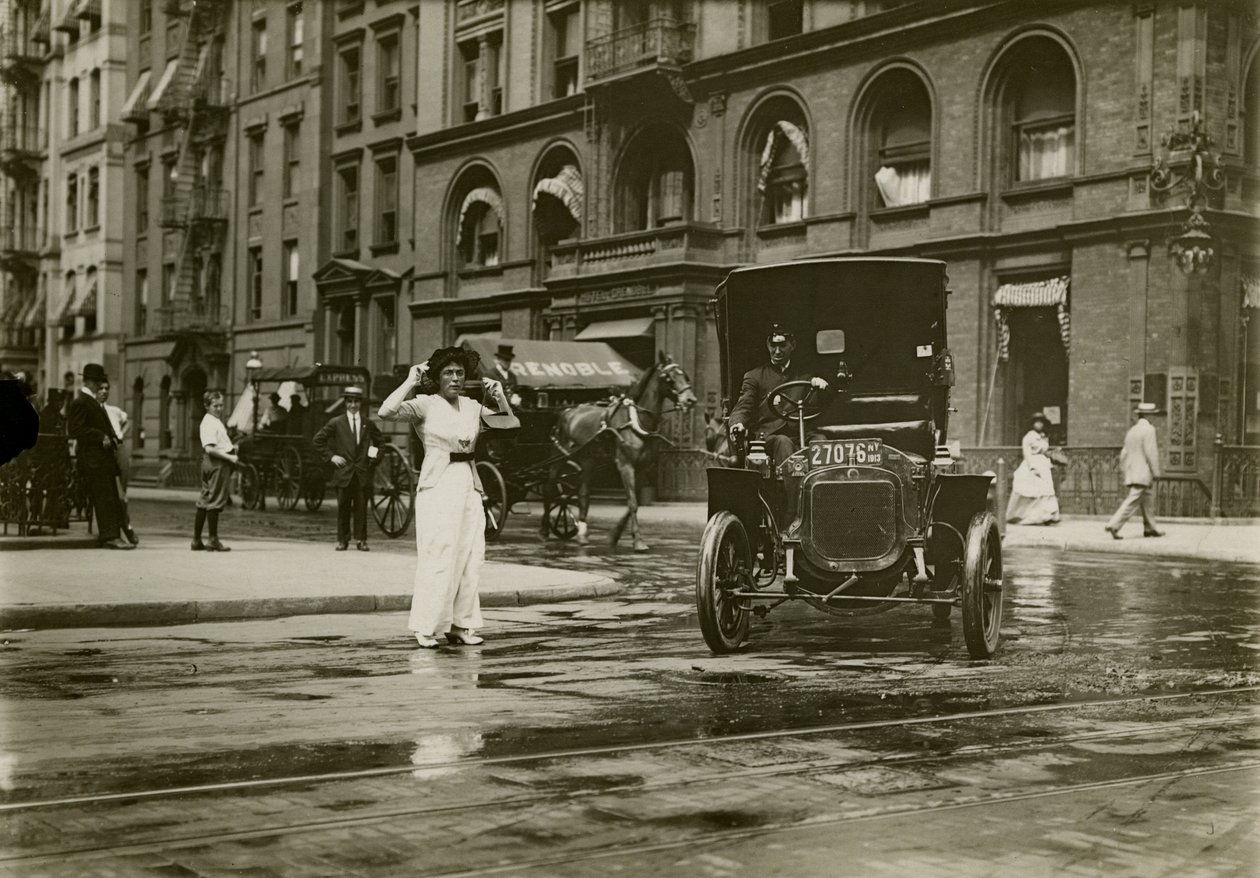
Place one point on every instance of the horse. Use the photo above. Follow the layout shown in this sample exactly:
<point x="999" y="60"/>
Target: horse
<point x="632" y="420"/>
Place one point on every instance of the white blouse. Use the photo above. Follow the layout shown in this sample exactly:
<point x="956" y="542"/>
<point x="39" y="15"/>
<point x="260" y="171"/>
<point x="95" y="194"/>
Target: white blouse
<point x="443" y="430"/>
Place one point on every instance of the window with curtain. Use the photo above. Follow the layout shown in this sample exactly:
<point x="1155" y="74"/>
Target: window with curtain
<point x="479" y="236"/>
<point x="566" y="43"/>
<point x="349" y="83"/>
<point x="292" y="158"/>
<point x="782" y="179"/>
<point x="389" y="70"/>
<point x="92" y="217"/>
<point x="258" y="70"/>
<point x="292" y="264"/>
<point x="656" y="185"/>
<point x="902" y="129"/>
<point x="347" y="209"/>
<point x="1042" y="107"/>
<point x="296" y="30"/>
<point x="257" y="168"/>
<point x="385" y="347"/>
<point x="470" y="99"/>
<point x="387" y="200"/>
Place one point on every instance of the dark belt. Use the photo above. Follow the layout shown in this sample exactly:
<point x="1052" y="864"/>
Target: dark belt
<point x="462" y="456"/>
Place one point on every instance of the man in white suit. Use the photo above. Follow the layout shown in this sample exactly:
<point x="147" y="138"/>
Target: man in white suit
<point x="1139" y="464"/>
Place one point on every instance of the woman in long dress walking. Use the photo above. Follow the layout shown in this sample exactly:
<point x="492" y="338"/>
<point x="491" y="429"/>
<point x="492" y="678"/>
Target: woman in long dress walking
<point x="450" y="519"/>
<point x="1033" y="500"/>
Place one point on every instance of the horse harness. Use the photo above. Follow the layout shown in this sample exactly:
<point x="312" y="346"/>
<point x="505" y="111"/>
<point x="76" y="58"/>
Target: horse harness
<point x="664" y="372"/>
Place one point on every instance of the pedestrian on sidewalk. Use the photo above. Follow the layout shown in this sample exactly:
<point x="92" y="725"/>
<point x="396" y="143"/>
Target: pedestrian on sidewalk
<point x="351" y="444"/>
<point x="450" y="518"/>
<point x="216" y="470"/>
<point x="122" y="429"/>
<point x="1033" y="500"/>
<point x="1139" y="464"/>
<point x="95" y="456"/>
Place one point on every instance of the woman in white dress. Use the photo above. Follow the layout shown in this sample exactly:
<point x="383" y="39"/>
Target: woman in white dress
<point x="1033" y="500"/>
<point x="450" y="520"/>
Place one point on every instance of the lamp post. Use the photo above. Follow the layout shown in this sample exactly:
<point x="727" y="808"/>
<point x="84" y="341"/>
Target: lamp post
<point x="252" y="365"/>
<point x="1189" y="163"/>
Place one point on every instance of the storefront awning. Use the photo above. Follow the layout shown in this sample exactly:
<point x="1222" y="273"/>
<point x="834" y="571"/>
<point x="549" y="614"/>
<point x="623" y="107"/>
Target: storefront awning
<point x="774" y="142"/>
<point x="138" y="93"/>
<point x="566" y="187"/>
<point x="634" y="327"/>
<point x="34" y="316"/>
<point x="560" y="364"/>
<point x="163" y="84"/>
<point x="64" y="314"/>
<point x="1051" y="293"/>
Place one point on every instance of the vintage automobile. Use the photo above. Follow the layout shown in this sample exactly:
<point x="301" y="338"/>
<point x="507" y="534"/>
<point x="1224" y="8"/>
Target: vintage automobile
<point x="871" y="511"/>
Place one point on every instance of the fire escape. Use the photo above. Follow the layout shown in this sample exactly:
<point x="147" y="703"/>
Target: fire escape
<point x="195" y="102"/>
<point x="22" y="143"/>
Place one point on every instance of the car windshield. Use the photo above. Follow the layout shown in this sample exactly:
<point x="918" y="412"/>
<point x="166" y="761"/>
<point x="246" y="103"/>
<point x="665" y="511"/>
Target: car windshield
<point x="892" y="313"/>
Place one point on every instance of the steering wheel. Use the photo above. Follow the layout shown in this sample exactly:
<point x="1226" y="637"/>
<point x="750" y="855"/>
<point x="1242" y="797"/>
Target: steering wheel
<point x="788" y="407"/>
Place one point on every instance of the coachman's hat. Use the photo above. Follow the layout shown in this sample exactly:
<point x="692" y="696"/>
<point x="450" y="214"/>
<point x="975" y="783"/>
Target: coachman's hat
<point x="95" y="372"/>
<point x="779" y="335"/>
<point x="505" y="351"/>
<point x="352" y="392"/>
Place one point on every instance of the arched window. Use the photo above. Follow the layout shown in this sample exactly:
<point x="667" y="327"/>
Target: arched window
<point x="1038" y="109"/>
<point x="782" y="172"/>
<point x="655" y="182"/>
<point x="898" y="129"/>
<point x="558" y="193"/>
<point x="480" y="228"/>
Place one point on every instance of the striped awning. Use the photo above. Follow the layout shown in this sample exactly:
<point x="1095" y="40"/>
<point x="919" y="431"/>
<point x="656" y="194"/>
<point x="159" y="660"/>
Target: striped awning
<point x="566" y="187"/>
<point x="163" y="83"/>
<point x="138" y="93"/>
<point x="774" y="142"/>
<point x="1050" y="293"/>
<point x="1250" y="292"/>
<point x="482" y="195"/>
<point x="34" y="316"/>
<point x="86" y="304"/>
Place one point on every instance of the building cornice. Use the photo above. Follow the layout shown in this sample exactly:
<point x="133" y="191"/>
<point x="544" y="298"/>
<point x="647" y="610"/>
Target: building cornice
<point x="510" y="127"/>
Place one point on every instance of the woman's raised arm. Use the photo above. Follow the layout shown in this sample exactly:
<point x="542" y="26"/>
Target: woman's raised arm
<point x="390" y="409"/>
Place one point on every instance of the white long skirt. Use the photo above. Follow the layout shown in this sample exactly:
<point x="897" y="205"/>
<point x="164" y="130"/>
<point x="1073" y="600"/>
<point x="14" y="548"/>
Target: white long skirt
<point x="450" y="549"/>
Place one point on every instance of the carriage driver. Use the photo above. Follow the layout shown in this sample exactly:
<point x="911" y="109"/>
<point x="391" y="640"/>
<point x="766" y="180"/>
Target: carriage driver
<point x="753" y="408"/>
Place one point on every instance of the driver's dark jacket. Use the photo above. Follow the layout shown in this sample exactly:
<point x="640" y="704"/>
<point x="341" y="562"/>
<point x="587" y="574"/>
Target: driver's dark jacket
<point x="752" y="409"/>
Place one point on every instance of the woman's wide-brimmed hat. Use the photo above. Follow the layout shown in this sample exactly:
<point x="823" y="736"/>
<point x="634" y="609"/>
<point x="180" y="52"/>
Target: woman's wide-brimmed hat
<point x="1038" y="416"/>
<point x="469" y="359"/>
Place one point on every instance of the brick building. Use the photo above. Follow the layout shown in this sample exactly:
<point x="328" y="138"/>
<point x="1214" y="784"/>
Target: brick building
<point x="1013" y="140"/>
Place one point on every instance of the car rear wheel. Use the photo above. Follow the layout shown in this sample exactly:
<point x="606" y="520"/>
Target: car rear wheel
<point x="725" y="565"/>
<point x="982" y="586"/>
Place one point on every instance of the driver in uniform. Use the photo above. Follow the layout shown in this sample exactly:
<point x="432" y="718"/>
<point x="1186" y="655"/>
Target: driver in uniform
<point x="753" y="411"/>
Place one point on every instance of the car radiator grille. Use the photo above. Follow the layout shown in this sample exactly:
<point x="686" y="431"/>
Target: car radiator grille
<point x="853" y="520"/>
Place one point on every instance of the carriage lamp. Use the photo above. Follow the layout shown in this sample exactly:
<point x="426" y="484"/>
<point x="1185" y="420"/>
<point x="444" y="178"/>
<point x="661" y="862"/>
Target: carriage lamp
<point x="1189" y="164"/>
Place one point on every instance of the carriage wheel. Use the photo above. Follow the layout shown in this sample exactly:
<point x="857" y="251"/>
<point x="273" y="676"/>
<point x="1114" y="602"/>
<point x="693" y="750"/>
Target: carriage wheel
<point x="288" y="476"/>
<point x="313" y="495"/>
<point x="725" y="564"/>
<point x="248" y="485"/>
<point x="494" y="501"/>
<point x="561" y="517"/>
<point x="393" y="492"/>
<point x="982" y="586"/>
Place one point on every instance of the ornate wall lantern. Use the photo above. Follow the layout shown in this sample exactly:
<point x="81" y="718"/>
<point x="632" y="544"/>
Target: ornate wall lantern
<point x="1189" y="164"/>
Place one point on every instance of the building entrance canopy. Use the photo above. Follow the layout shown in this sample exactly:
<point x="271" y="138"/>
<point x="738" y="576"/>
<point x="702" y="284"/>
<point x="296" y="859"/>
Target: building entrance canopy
<point x="551" y="365"/>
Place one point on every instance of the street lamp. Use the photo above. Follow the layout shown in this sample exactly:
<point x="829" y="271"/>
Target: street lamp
<point x="252" y="365"/>
<point x="1198" y="172"/>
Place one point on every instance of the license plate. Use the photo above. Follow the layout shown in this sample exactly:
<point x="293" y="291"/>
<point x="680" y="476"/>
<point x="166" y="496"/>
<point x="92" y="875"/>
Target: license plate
<point x="846" y="452"/>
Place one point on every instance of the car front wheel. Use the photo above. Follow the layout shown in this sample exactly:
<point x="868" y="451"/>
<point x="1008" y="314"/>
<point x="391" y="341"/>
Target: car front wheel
<point x="725" y="565"/>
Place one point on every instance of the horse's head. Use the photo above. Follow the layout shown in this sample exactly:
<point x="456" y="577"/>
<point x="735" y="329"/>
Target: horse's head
<point x="676" y="382"/>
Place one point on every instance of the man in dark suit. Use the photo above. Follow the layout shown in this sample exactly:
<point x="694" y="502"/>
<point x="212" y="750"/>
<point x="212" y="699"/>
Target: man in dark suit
<point x="96" y="453"/>
<point x="350" y="442"/>
<point x="752" y="411"/>
<point x="503" y="357"/>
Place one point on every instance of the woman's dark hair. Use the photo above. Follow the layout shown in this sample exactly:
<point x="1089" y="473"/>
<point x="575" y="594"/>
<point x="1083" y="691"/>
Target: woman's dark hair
<point x="443" y="357"/>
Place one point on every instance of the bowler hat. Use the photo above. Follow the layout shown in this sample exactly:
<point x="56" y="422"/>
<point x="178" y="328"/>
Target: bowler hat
<point x="779" y="335"/>
<point x="94" y="372"/>
<point x="352" y="392"/>
<point x="505" y="351"/>
<point x="1147" y="408"/>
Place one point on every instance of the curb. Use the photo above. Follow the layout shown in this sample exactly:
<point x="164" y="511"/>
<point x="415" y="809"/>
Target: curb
<point x="1110" y="548"/>
<point x="46" y="616"/>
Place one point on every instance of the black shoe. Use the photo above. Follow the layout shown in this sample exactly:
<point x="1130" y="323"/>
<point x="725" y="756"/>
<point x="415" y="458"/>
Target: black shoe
<point x="341" y="547"/>
<point x="131" y="535"/>
<point x="216" y="546"/>
<point x="362" y="546"/>
<point x="198" y="546"/>
<point x="1152" y="533"/>
<point x="1114" y="534"/>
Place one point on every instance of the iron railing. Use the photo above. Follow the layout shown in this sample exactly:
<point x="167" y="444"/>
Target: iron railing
<point x="1239" y="481"/>
<point x="192" y="315"/>
<point x="653" y="43"/>
<point x="22" y="138"/>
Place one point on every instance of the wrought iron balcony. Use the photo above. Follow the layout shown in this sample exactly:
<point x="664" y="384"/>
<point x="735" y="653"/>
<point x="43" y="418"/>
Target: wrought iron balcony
<point x="213" y="92"/>
<point x="41" y="31"/>
<point x="88" y="10"/>
<point x="20" y="147"/>
<point x="190" y="316"/>
<point x="20" y="58"/>
<point x="200" y="205"/>
<point x="659" y="42"/>
<point x="19" y="247"/>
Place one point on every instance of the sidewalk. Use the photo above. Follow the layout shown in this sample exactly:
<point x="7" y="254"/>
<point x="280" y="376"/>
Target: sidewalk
<point x="163" y="583"/>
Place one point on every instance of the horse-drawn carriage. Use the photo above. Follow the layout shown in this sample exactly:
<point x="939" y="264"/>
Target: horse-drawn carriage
<point x="870" y="511"/>
<point x="527" y="465"/>
<point x="279" y="458"/>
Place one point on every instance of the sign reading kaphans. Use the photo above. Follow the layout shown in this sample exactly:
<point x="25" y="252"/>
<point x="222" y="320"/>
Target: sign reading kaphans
<point x="560" y="364"/>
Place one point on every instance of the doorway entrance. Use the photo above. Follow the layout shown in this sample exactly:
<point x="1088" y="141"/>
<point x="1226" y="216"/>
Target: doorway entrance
<point x="1036" y="378"/>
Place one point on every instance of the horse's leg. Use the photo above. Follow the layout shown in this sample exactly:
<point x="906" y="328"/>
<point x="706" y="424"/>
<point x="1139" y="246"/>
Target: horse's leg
<point x="587" y="462"/>
<point x="548" y="497"/>
<point x="629" y="481"/>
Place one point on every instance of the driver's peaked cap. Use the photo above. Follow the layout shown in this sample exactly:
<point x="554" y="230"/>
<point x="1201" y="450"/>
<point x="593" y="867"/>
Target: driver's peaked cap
<point x="779" y="335"/>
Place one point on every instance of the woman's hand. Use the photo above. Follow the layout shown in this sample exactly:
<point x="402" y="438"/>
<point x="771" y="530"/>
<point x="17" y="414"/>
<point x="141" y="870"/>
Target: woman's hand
<point x="493" y="387"/>
<point x="417" y="372"/>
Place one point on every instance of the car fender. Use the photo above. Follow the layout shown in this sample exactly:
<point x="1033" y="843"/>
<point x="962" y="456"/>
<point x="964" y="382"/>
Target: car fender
<point x="737" y="491"/>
